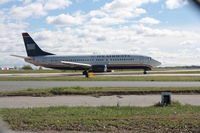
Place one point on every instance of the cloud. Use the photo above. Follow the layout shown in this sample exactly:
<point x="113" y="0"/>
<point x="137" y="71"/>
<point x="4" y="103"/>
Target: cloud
<point x="106" y="21"/>
<point x="112" y="13"/>
<point x="37" y="8"/>
<point x="187" y="42"/>
<point x="4" y="1"/>
<point x="125" y="8"/>
<point x="96" y="13"/>
<point x="148" y="20"/>
<point x="33" y="9"/>
<point x="96" y="0"/>
<point x="127" y="14"/>
<point x="117" y="5"/>
<point x="26" y="1"/>
<point x="64" y="19"/>
<point x="172" y="4"/>
<point x="10" y="40"/>
<point x="56" y="4"/>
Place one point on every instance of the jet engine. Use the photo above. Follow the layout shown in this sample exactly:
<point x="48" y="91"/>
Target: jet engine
<point x="99" y="68"/>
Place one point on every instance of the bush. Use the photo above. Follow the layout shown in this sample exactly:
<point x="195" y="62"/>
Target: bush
<point x="27" y="67"/>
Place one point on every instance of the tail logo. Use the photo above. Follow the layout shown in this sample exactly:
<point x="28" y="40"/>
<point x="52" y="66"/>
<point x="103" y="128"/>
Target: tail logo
<point x="31" y="46"/>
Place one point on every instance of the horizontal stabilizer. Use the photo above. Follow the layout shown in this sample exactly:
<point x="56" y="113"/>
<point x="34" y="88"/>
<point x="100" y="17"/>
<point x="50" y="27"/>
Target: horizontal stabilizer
<point x="75" y="64"/>
<point x="23" y="57"/>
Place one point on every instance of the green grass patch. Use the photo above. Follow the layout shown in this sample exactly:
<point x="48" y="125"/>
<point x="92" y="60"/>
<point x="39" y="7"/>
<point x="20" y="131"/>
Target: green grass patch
<point x="36" y="71"/>
<point x="175" y="72"/>
<point x="134" y="71"/>
<point x="107" y="78"/>
<point x="101" y="91"/>
<point x="138" y="119"/>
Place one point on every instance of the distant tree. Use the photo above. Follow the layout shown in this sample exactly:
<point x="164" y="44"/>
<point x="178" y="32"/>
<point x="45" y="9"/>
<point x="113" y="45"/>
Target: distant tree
<point x="15" y="67"/>
<point x="27" y="67"/>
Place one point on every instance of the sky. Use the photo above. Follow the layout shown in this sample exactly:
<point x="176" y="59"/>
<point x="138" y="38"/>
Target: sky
<point x="167" y="30"/>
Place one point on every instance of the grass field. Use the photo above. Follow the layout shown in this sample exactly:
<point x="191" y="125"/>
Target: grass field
<point x="156" y="71"/>
<point x="107" y="78"/>
<point x="175" y="72"/>
<point x="36" y="71"/>
<point x="175" y="118"/>
<point x="101" y="91"/>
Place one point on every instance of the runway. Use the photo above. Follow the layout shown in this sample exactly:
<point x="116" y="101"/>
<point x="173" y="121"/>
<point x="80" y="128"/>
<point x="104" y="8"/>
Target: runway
<point x="19" y="85"/>
<point x="127" y="100"/>
<point x="96" y="74"/>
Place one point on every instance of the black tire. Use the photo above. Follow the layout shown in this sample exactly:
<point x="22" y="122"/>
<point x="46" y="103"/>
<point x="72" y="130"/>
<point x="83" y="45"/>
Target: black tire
<point x="86" y="74"/>
<point x="145" y="72"/>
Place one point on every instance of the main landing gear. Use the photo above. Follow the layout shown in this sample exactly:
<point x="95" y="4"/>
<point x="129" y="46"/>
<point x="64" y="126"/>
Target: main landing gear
<point x="145" y="71"/>
<point x="86" y="73"/>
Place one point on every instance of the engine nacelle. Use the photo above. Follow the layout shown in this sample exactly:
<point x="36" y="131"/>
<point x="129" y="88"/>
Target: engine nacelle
<point x="99" y="68"/>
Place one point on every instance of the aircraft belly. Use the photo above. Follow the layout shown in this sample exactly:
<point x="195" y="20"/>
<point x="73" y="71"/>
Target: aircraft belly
<point x="129" y="66"/>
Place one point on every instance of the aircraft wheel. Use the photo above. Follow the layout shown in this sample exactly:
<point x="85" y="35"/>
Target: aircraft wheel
<point x="145" y="72"/>
<point x="85" y="73"/>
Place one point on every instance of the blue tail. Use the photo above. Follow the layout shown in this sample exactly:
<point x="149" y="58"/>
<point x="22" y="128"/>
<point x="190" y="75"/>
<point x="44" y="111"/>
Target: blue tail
<point x="32" y="48"/>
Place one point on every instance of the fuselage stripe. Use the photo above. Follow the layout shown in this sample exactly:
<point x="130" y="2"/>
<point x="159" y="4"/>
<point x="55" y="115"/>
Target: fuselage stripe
<point x="109" y="65"/>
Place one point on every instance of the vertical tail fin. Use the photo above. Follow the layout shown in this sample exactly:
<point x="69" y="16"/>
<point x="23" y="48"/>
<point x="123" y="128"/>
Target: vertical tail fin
<point x="32" y="48"/>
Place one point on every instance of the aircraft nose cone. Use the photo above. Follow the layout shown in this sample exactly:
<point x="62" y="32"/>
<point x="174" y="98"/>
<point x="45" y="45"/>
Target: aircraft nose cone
<point x="157" y="63"/>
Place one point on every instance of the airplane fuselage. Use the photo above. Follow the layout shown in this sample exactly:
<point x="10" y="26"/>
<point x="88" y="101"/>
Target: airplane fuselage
<point x="109" y="62"/>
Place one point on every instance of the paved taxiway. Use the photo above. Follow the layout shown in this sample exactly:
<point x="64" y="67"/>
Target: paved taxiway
<point x="125" y="100"/>
<point x="18" y="85"/>
<point x="96" y="74"/>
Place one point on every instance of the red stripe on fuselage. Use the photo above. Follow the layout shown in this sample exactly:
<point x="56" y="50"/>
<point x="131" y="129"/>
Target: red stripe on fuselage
<point x="108" y="65"/>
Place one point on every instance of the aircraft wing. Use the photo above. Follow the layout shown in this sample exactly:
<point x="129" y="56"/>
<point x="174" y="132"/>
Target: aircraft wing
<point x="23" y="57"/>
<point x="75" y="64"/>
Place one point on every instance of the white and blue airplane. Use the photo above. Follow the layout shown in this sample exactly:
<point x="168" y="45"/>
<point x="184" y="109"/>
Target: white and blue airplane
<point x="92" y="63"/>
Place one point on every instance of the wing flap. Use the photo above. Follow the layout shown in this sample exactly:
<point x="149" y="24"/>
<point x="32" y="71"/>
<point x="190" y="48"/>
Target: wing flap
<point x="75" y="64"/>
